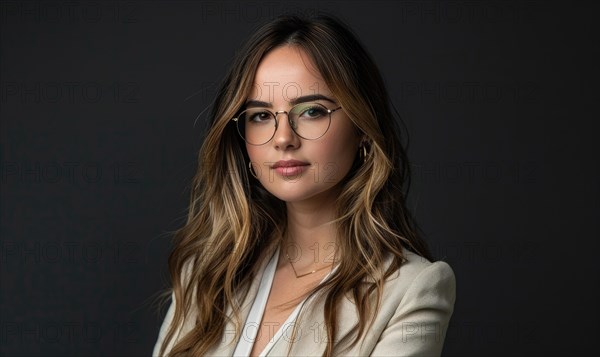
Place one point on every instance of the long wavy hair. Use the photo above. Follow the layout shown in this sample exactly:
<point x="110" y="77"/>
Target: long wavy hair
<point x="233" y="220"/>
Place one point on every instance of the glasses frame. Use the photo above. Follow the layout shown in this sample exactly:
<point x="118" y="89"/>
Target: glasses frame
<point x="292" y="125"/>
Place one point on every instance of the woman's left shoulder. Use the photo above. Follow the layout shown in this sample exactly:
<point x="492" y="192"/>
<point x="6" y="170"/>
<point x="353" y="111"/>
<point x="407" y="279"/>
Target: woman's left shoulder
<point x="422" y="277"/>
<point x="416" y="306"/>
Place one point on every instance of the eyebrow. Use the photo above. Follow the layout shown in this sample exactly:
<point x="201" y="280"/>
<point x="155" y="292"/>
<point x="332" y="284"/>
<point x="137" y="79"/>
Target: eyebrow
<point x="302" y="99"/>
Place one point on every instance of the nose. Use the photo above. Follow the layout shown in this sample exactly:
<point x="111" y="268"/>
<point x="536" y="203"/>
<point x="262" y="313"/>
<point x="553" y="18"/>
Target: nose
<point x="285" y="138"/>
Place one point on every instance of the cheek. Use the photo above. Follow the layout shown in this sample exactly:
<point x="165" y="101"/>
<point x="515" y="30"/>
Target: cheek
<point x="336" y="159"/>
<point x="257" y="157"/>
<point x="346" y="159"/>
<point x="254" y="153"/>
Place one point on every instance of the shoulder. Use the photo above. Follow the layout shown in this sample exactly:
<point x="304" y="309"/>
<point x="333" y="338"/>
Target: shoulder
<point x="418" y="279"/>
<point x="417" y="272"/>
<point x="417" y="303"/>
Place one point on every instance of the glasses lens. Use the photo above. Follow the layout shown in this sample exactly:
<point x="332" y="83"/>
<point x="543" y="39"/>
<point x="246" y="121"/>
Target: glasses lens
<point x="256" y="125"/>
<point x="310" y="120"/>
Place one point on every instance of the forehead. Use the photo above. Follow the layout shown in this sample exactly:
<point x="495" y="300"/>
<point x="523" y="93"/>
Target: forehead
<point x="285" y="73"/>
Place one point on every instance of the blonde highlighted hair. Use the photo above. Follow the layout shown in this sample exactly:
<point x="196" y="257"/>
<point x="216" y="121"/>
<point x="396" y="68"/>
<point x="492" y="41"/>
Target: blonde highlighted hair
<point x="233" y="220"/>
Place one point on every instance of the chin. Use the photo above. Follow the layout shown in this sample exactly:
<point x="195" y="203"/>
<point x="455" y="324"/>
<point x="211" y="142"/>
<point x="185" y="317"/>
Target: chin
<point x="293" y="195"/>
<point x="290" y="197"/>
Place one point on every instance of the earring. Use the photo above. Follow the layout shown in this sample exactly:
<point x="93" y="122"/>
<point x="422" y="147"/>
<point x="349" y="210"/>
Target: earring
<point x="363" y="153"/>
<point x="251" y="170"/>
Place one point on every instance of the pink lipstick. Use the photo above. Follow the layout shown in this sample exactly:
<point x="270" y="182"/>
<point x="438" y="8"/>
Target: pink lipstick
<point x="290" y="167"/>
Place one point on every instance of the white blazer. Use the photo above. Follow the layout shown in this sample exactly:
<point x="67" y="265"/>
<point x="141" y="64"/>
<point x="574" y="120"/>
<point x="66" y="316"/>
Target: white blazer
<point x="416" y="306"/>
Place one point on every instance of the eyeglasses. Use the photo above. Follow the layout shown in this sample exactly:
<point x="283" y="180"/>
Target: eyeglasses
<point x="310" y="121"/>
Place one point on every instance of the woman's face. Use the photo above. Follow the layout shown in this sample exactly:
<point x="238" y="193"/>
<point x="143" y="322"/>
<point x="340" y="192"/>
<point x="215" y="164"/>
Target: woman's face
<point x="292" y="168"/>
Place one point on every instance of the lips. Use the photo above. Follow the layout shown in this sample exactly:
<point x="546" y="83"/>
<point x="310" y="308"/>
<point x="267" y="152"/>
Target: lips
<point x="290" y="167"/>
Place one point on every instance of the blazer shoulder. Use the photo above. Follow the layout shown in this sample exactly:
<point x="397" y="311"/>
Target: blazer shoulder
<point x="416" y="265"/>
<point x="419" y="276"/>
<point x="415" y="315"/>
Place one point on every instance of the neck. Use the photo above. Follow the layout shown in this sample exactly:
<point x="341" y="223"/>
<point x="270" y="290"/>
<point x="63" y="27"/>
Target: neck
<point x="311" y="235"/>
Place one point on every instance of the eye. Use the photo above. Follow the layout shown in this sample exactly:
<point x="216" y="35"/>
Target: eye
<point x="257" y="116"/>
<point x="313" y="112"/>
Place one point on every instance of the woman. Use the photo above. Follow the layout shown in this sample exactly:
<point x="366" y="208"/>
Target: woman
<point x="298" y="239"/>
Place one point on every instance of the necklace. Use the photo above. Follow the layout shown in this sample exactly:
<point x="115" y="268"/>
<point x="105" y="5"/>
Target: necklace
<point x="305" y="274"/>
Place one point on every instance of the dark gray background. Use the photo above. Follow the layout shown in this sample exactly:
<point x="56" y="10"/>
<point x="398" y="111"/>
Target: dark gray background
<point x="98" y="146"/>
